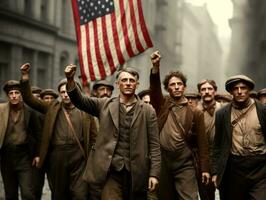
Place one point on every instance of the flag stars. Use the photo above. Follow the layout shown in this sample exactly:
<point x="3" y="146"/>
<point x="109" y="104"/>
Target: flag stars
<point x="91" y="9"/>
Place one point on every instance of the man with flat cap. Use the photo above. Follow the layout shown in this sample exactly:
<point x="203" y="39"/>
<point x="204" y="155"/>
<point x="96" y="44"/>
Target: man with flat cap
<point x="68" y="135"/>
<point x="48" y="95"/>
<point x="102" y="89"/>
<point x="262" y="95"/>
<point x="19" y="127"/>
<point x="239" y="151"/>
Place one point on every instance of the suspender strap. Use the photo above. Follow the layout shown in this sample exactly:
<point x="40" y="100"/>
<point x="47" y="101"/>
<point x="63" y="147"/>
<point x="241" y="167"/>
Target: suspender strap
<point x="235" y="121"/>
<point x="74" y="132"/>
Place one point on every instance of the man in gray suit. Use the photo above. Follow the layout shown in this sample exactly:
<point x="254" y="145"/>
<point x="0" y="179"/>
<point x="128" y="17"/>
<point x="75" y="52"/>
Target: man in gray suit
<point x="125" y="160"/>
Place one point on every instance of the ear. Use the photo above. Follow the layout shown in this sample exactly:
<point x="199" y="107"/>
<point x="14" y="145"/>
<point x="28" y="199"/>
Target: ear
<point x="137" y="85"/>
<point x="117" y="84"/>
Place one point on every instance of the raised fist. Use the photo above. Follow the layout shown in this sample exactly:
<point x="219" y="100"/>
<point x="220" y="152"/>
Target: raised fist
<point x="25" y="68"/>
<point x="155" y="58"/>
<point x="70" y="71"/>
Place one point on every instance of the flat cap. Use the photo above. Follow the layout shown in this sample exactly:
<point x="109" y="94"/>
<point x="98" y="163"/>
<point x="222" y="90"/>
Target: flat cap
<point x="102" y="82"/>
<point x="223" y="96"/>
<point x="64" y="81"/>
<point x="36" y="89"/>
<point x="238" y="78"/>
<point x="189" y="93"/>
<point x="11" y="85"/>
<point x="143" y="93"/>
<point x="49" y="92"/>
<point x="261" y="92"/>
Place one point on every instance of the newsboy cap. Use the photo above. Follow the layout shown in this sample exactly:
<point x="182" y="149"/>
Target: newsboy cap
<point x="261" y="92"/>
<point x="143" y="93"/>
<point x="64" y="81"/>
<point x="104" y="83"/>
<point x="11" y="85"/>
<point x="49" y="92"/>
<point x="238" y="78"/>
<point x="36" y="89"/>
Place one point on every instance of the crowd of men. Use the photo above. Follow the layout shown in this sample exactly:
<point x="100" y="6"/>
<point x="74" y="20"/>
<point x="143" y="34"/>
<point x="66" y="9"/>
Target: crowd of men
<point x="92" y="145"/>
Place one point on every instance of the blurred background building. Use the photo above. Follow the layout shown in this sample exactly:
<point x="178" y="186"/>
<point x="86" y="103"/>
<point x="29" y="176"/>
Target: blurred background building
<point x="248" y="43"/>
<point x="42" y="32"/>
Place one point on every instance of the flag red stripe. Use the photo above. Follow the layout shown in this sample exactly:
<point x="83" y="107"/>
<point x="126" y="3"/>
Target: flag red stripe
<point x="124" y="29"/>
<point x="78" y="36"/>
<point x="116" y="40"/>
<point x="134" y="26"/>
<point x="91" y="70"/>
<point x="106" y="45"/>
<point x="97" y="50"/>
<point x="143" y="26"/>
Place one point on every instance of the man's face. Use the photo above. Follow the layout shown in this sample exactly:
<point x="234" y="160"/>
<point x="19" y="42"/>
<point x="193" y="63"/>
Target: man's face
<point x="207" y="92"/>
<point x="14" y="97"/>
<point x="176" y="87"/>
<point x="127" y="84"/>
<point x="64" y="96"/>
<point x="262" y="99"/>
<point x="103" y="91"/>
<point x="37" y="95"/>
<point x="48" y="98"/>
<point x="192" y="101"/>
<point x="240" y="92"/>
<point x="146" y="98"/>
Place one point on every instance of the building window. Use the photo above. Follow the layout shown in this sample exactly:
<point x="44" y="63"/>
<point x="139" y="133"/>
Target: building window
<point x="5" y="50"/>
<point x="43" y="69"/>
<point x="44" y="10"/>
<point x="64" y="61"/>
<point x="27" y="7"/>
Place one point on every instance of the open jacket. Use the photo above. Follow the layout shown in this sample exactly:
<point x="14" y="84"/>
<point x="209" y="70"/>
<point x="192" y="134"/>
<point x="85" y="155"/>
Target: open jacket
<point x="194" y="122"/>
<point x="145" y="157"/>
<point x="51" y="112"/>
<point x="32" y="124"/>
<point x="223" y="137"/>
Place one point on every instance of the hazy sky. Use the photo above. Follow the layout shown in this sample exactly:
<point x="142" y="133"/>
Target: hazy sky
<point x="220" y="11"/>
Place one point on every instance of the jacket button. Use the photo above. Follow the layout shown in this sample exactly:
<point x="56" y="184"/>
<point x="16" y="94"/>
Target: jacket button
<point x="109" y="156"/>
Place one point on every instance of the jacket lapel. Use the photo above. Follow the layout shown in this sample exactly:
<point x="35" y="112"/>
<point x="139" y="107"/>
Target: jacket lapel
<point x="4" y="115"/>
<point x="227" y="120"/>
<point x="114" y="112"/>
<point x="138" y="108"/>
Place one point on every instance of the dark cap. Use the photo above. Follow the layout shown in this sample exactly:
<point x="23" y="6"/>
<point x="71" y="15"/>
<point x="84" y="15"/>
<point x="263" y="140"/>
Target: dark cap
<point x="11" y="85"/>
<point x="36" y="89"/>
<point x="63" y="82"/>
<point x="223" y="96"/>
<point x="239" y="78"/>
<point x="143" y="93"/>
<point x="261" y="92"/>
<point x="189" y="93"/>
<point x="102" y="83"/>
<point x="49" y="92"/>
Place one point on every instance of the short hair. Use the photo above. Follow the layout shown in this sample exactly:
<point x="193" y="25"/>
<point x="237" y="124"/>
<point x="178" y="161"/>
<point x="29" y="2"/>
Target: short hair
<point x="129" y="70"/>
<point x="177" y="74"/>
<point x="211" y="82"/>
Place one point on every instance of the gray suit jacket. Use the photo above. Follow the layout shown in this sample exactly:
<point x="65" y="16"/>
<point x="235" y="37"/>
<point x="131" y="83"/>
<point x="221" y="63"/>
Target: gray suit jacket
<point x="145" y="155"/>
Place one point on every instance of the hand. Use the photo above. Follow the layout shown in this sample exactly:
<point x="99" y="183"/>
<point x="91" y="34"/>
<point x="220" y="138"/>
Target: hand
<point x="153" y="182"/>
<point x="155" y="60"/>
<point x="70" y="71"/>
<point x="214" y="180"/>
<point x="25" y="68"/>
<point x="205" y="176"/>
<point x="36" y="162"/>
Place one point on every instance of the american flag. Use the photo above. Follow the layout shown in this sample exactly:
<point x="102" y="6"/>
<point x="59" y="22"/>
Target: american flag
<point x="109" y="32"/>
